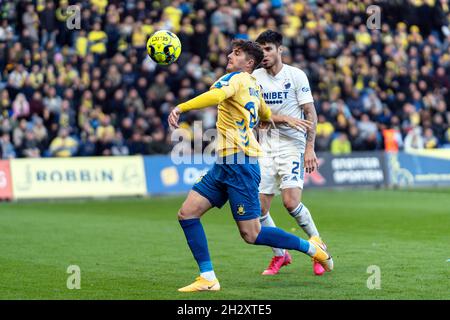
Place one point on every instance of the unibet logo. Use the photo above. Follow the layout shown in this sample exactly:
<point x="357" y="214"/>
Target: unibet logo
<point x="275" y="95"/>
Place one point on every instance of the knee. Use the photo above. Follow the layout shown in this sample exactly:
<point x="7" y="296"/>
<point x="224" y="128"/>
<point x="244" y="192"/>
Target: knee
<point x="249" y="236"/>
<point x="186" y="213"/>
<point x="290" y="203"/>
<point x="182" y="214"/>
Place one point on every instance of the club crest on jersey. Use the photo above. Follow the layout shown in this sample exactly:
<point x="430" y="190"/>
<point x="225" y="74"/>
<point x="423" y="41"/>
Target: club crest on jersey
<point x="287" y="84"/>
<point x="253" y="92"/>
<point x="240" y="209"/>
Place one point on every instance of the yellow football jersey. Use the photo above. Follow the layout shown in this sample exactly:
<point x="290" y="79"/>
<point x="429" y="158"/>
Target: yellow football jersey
<point x="238" y="113"/>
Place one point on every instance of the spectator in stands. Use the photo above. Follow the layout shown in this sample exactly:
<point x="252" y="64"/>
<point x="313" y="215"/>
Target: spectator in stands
<point x="30" y="20"/>
<point x="97" y="41"/>
<point x="88" y="145"/>
<point x="40" y="133"/>
<point x="414" y="140"/>
<point x="5" y="104"/>
<point x="364" y="81"/>
<point x="341" y="145"/>
<point x="21" y="107"/>
<point x="30" y="145"/>
<point x="19" y="133"/>
<point x="6" y="147"/>
<point x="324" y="132"/>
<point x="429" y="139"/>
<point x="48" y="23"/>
<point x="367" y="130"/>
<point x="36" y="104"/>
<point x="158" y="144"/>
<point x="136" y="144"/>
<point x="372" y="103"/>
<point x="356" y="140"/>
<point x="63" y="145"/>
<point x="52" y="101"/>
<point x="16" y="79"/>
<point x="105" y="130"/>
<point x="119" y="147"/>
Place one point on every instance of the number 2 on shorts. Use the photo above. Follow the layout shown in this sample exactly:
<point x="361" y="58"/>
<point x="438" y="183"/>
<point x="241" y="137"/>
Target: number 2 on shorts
<point x="296" y="166"/>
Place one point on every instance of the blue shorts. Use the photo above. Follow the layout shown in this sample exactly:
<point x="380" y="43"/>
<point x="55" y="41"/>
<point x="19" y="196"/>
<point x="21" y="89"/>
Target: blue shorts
<point x="235" y="182"/>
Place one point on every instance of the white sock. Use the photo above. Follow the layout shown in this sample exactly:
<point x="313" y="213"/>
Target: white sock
<point x="312" y="250"/>
<point x="208" y="275"/>
<point x="267" y="221"/>
<point x="303" y="217"/>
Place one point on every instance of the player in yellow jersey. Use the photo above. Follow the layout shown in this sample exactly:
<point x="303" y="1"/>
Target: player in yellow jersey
<point x="235" y="177"/>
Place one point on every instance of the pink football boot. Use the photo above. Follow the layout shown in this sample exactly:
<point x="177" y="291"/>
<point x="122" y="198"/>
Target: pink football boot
<point x="276" y="263"/>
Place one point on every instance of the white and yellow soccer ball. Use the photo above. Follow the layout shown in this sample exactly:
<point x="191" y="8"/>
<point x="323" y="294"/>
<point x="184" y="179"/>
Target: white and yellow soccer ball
<point x="164" y="47"/>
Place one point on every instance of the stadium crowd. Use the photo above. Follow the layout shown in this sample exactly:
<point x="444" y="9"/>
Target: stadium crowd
<point x="69" y="89"/>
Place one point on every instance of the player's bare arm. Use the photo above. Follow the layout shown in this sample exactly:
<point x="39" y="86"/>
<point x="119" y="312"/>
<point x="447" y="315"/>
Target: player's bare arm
<point x="299" y="124"/>
<point x="311" y="162"/>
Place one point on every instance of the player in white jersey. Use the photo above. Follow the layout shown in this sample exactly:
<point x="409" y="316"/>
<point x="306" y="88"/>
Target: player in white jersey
<point x="288" y="151"/>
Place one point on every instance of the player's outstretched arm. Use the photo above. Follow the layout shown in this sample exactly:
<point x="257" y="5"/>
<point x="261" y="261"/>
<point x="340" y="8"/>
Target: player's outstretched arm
<point x="299" y="124"/>
<point x="311" y="162"/>
<point x="266" y="116"/>
<point x="207" y="99"/>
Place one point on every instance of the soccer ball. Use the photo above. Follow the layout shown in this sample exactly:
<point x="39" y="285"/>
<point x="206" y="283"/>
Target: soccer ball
<point x="164" y="47"/>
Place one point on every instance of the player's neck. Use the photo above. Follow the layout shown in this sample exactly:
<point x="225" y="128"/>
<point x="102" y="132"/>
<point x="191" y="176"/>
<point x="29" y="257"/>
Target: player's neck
<point x="248" y="70"/>
<point x="275" y="69"/>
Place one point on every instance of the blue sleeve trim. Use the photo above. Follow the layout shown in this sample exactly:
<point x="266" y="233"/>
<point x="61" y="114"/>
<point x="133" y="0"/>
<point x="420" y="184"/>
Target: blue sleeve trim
<point x="225" y="79"/>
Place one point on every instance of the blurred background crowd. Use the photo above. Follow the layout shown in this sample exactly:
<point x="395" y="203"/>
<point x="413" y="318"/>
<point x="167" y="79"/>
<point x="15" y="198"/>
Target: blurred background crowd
<point x="69" y="89"/>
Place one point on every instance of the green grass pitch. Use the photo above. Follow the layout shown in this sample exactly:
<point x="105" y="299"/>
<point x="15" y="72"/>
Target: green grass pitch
<point x="135" y="249"/>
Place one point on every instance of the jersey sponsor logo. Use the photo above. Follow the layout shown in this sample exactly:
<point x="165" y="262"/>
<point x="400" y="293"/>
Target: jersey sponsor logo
<point x="305" y="89"/>
<point x="274" y="101"/>
<point x="275" y="95"/>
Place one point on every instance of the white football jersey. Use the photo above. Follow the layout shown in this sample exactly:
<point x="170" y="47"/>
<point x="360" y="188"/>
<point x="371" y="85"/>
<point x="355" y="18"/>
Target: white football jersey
<point x="284" y="93"/>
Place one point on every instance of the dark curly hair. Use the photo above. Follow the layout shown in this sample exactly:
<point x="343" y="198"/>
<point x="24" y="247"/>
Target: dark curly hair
<point x="270" y="36"/>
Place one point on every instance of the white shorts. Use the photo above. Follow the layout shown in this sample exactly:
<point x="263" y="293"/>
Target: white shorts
<point x="282" y="172"/>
